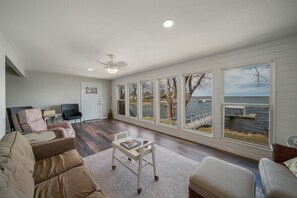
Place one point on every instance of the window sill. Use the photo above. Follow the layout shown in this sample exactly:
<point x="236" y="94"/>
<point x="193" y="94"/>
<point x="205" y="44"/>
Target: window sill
<point x="147" y="121"/>
<point x="199" y="133"/>
<point x="247" y="144"/>
<point x="167" y="125"/>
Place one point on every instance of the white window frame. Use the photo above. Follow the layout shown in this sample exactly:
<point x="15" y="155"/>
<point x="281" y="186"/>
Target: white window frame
<point x="158" y="109"/>
<point x="141" y="102"/>
<point x="118" y="99"/>
<point x="128" y="100"/>
<point x="271" y="105"/>
<point x="183" y="109"/>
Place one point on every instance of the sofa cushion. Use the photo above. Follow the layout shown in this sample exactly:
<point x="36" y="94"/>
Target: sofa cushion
<point x="97" y="194"/>
<point x="76" y="182"/>
<point x="53" y="166"/>
<point x="13" y="144"/>
<point x="277" y="180"/>
<point x="17" y="166"/>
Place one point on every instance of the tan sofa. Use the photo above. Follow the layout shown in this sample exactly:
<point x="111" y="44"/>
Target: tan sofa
<point x="49" y="169"/>
<point x="277" y="179"/>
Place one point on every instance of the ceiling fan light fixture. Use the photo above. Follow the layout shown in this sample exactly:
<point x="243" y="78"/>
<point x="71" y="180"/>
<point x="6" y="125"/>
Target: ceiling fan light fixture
<point x="168" y="23"/>
<point x="112" y="70"/>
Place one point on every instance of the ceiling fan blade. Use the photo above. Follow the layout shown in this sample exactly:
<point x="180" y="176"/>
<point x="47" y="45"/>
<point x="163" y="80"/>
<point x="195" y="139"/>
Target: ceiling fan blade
<point x="102" y="63"/>
<point x="100" y="66"/>
<point x="121" y="64"/>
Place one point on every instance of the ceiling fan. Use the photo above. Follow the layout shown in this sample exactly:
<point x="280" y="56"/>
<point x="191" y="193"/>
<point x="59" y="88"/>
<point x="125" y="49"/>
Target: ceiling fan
<point x="113" y="66"/>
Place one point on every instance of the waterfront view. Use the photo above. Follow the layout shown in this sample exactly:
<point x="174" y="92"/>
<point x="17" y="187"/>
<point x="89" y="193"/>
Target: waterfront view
<point x="245" y="110"/>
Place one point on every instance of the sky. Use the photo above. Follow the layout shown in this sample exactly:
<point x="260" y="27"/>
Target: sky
<point x="242" y="82"/>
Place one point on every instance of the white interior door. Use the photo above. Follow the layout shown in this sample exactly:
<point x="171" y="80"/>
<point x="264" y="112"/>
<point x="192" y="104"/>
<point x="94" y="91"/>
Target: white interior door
<point x="91" y="101"/>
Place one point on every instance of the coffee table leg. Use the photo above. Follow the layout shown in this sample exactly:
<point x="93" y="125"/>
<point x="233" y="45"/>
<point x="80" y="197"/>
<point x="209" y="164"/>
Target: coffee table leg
<point x="139" y="172"/>
<point x="112" y="159"/>
<point x="154" y="162"/>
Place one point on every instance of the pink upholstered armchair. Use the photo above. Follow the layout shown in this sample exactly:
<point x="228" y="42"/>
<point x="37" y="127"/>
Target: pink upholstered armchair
<point x="30" y="120"/>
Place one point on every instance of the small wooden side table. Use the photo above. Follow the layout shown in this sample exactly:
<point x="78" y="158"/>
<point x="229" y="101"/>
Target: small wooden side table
<point x="52" y="117"/>
<point x="36" y="137"/>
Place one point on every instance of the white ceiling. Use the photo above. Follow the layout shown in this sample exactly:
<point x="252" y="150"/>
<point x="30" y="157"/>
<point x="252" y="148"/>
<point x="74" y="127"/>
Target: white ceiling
<point x="69" y="36"/>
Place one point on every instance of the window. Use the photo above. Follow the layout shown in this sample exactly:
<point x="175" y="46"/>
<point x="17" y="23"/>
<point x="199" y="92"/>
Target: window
<point x="121" y="100"/>
<point x="246" y="105"/>
<point x="148" y="100"/>
<point x="132" y="100"/>
<point x="198" y="102"/>
<point x="168" y="103"/>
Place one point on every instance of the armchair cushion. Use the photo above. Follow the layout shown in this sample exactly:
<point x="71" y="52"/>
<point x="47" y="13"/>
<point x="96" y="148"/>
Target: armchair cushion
<point x="15" y="121"/>
<point x="36" y="126"/>
<point x="31" y="120"/>
<point x="12" y="110"/>
<point x="29" y="115"/>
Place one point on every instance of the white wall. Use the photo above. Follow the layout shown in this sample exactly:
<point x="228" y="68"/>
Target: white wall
<point x="2" y="91"/>
<point x="283" y="51"/>
<point x="6" y="50"/>
<point x="48" y="90"/>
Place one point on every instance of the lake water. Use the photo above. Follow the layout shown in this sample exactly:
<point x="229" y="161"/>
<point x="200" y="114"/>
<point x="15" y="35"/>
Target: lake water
<point x="258" y="125"/>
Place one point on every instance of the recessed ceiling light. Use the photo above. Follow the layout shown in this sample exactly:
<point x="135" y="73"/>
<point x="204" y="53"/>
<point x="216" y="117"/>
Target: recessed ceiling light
<point x="90" y="69"/>
<point x="168" y="23"/>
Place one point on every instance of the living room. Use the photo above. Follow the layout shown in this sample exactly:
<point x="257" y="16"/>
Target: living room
<point x="240" y="58"/>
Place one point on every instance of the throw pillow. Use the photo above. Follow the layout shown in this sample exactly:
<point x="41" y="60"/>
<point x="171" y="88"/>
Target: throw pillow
<point x="292" y="165"/>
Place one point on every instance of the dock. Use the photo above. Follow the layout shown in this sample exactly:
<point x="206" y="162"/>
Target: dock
<point x="238" y="112"/>
<point x="195" y="121"/>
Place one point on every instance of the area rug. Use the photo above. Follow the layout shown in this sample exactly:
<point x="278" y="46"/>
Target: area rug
<point x="173" y="171"/>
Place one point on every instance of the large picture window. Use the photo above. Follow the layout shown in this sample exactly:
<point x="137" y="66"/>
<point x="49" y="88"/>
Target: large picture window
<point x="198" y="102"/>
<point x="168" y="101"/>
<point x="147" y="100"/>
<point x="132" y="100"/>
<point x="246" y="105"/>
<point x="121" y="100"/>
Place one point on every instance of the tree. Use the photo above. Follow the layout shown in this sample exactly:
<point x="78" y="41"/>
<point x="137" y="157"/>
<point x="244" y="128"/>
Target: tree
<point x="133" y="92"/>
<point x="168" y="87"/>
<point x="260" y="73"/>
<point x="168" y="91"/>
<point x="148" y="89"/>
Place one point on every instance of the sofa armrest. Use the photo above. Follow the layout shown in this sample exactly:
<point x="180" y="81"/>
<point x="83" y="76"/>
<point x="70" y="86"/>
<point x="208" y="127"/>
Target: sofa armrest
<point x="282" y="153"/>
<point x="53" y="147"/>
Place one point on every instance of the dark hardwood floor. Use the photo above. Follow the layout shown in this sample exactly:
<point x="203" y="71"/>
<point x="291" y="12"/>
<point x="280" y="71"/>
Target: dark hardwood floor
<point x="96" y="136"/>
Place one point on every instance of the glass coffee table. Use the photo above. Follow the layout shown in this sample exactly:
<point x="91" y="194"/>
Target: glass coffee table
<point x="134" y="149"/>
